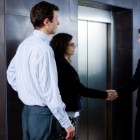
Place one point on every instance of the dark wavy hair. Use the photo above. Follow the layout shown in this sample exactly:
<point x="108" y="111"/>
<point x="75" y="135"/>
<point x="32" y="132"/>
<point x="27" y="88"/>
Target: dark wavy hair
<point x="139" y="30"/>
<point x="41" y="11"/>
<point x="59" y="44"/>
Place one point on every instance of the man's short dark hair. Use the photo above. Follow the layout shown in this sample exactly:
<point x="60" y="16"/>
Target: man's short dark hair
<point x="41" y="11"/>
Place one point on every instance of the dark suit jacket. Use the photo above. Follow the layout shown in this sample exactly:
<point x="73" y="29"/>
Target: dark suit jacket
<point x="71" y="89"/>
<point x="132" y="85"/>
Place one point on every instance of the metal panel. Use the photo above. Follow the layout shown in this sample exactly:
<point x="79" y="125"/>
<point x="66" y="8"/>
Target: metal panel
<point x="82" y="49"/>
<point x="97" y="78"/>
<point x="1" y="29"/>
<point x="1" y="7"/>
<point x="92" y="68"/>
<point x="97" y="54"/>
<point x="92" y="14"/>
<point x="82" y="70"/>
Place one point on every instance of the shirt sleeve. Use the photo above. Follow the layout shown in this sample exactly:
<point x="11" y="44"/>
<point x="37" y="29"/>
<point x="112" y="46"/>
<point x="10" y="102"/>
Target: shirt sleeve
<point x="11" y="74"/>
<point x="48" y="81"/>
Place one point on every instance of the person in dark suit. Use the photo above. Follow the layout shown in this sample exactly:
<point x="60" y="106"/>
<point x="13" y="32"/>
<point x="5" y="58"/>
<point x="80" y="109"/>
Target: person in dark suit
<point x="71" y="89"/>
<point x="129" y="87"/>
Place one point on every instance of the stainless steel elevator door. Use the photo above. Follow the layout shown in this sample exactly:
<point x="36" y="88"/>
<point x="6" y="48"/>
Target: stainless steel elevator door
<point x="92" y="68"/>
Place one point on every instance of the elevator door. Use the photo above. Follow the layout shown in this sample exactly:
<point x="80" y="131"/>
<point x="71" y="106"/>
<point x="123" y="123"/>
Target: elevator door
<point x="92" y="68"/>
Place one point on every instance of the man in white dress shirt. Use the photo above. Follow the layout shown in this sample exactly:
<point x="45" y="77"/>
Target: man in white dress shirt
<point x="32" y="73"/>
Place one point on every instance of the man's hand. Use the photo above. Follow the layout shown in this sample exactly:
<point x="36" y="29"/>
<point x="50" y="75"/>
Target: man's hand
<point x="70" y="132"/>
<point x="112" y="94"/>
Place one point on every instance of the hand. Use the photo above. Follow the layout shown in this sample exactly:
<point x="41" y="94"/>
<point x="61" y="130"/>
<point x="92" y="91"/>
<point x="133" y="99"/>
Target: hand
<point x="112" y="95"/>
<point x="70" y="132"/>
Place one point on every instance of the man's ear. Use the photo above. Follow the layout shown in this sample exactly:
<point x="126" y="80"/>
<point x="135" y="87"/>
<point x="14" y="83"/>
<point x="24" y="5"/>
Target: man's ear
<point x="46" y="21"/>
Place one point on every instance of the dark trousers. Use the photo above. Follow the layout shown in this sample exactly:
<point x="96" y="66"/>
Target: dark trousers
<point x="137" y="125"/>
<point x="38" y="123"/>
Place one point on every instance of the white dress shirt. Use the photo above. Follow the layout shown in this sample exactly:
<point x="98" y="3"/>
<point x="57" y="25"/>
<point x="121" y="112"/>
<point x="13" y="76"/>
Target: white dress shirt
<point x="32" y="73"/>
<point x="73" y="114"/>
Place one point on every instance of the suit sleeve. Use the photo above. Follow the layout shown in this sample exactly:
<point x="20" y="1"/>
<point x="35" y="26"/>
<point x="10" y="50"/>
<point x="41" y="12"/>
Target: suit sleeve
<point x="131" y="85"/>
<point x="70" y="81"/>
<point x="88" y="92"/>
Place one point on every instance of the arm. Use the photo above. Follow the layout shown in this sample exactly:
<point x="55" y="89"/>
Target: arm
<point x="70" y="82"/>
<point x="90" y="92"/>
<point x="47" y="77"/>
<point x="11" y="74"/>
<point x="131" y="85"/>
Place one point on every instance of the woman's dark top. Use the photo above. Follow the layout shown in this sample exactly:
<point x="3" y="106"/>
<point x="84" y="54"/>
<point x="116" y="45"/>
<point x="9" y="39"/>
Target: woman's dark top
<point x="71" y="89"/>
<point x="132" y="85"/>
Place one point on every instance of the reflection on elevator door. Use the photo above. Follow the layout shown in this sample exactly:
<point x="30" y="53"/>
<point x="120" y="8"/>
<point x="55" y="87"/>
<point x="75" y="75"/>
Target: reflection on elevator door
<point x="92" y="68"/>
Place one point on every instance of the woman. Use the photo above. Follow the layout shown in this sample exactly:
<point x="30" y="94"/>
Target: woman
<point x="71" y="89"/>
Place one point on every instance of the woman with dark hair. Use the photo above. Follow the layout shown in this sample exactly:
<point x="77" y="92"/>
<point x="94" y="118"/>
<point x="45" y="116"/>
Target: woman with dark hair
<point x="71" y="89"/>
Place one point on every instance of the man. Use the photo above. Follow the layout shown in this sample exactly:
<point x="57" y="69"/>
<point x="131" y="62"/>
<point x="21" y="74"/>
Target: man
<point x="32" y="73"/>
<point x="129" y="87"/>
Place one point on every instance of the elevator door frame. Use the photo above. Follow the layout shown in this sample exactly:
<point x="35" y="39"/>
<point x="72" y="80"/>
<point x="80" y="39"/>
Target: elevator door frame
<point x="104" y="17"/>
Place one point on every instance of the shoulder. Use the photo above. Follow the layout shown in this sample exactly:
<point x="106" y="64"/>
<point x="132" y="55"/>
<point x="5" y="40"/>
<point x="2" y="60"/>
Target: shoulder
<point x="36" y="48"/>
<point x="38" y="44"/>
<point x="61" y="63"/>
<point x="139" y="60"/>
<point x="138" y="67"/>
<point x="138" y="64"/>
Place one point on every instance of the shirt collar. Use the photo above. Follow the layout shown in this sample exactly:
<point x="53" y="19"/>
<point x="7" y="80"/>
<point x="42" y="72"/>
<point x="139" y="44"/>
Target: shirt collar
<point x="41" y="35"/>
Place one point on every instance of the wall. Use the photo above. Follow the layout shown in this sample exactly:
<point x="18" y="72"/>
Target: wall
<point x="2" y="75"/>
